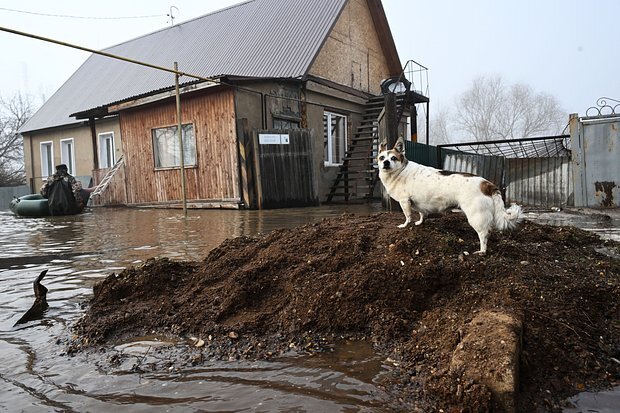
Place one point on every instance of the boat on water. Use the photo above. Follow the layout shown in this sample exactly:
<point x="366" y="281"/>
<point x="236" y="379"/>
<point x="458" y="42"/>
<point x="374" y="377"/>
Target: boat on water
<point x="33" y="205"/>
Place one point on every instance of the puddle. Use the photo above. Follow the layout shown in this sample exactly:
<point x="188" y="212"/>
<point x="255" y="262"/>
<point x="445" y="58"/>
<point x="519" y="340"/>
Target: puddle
<point x="601" y="402"/>
<point x="605" y="223"/>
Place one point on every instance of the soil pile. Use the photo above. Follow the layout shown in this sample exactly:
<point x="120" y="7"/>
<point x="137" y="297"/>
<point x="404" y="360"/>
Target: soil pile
<point x="411" y="291"/>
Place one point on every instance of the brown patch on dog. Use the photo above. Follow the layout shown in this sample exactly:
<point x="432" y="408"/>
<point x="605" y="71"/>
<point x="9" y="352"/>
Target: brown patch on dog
<point x="448" y="173"/>
<point x="488" y="188"/>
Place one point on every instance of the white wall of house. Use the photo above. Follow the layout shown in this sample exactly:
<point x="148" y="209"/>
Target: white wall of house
<point x="73" y="145"/>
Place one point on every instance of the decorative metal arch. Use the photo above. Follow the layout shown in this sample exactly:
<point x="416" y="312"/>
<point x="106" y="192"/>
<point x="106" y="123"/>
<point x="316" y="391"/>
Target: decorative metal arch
<point x="603" y="108"/>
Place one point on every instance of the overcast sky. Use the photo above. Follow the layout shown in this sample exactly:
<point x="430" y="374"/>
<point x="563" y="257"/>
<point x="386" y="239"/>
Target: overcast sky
<point x="567" y="48"/>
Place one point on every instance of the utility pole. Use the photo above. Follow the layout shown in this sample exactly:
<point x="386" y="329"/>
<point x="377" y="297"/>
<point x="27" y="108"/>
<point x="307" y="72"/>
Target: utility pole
<point x="180" y="135"/>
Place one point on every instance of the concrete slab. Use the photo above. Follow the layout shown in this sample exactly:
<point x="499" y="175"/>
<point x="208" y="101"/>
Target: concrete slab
<point x="489" y="354"/>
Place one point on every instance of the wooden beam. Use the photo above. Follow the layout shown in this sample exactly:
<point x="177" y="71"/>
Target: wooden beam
<point x="160" y="96"/>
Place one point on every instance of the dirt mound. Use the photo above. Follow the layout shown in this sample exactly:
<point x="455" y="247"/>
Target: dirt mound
<point x="411" y="291"/>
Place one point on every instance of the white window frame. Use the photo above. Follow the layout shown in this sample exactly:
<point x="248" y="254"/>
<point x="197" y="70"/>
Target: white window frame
<point x="172" y="157"/>
<point x="328" y="136"/>
<point x="105" y="140"/>
<point x="68" y="158"/>
<point x="47" y="169"/>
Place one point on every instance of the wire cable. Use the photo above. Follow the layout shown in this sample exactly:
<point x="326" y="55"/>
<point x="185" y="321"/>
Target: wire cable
<point x="82" y="17"/>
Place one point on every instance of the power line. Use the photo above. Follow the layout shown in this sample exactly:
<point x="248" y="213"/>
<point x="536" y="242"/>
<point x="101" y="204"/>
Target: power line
<point x="102" y="53"/>
<point x="83" y="17"/>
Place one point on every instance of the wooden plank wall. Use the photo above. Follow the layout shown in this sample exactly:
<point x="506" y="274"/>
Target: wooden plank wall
<point x="216" y="176"/>
<point x="114" y="194"/>
<point x="285" y="172"/>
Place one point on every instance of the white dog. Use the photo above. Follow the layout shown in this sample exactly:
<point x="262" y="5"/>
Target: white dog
<point x="429" y="190"/>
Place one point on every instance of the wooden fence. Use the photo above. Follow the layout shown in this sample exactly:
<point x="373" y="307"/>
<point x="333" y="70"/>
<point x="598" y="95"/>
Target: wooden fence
<point x="283" y="172"/>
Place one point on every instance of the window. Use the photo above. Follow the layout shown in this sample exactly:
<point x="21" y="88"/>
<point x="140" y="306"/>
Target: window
<point x="335" y="132"/>
<point x="106" y="150"/>
<point x="67" y="154"/>
<point x="279" y="123"/>
<point x="286" y="119"/>
<point x="47" y="159"/>
<point x="166" y="146"/>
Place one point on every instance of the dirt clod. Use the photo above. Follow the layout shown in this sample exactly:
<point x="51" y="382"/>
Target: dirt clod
<point x="413" y="292"/>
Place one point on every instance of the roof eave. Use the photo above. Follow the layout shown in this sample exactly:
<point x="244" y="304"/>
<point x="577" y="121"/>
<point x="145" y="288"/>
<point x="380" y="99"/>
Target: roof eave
<point x="133" y="101"/>
<point x="318" y="50"/>
<point x="385" y="36"/>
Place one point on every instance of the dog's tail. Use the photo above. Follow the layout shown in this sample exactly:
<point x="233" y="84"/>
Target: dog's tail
<point x="506" y="218"/>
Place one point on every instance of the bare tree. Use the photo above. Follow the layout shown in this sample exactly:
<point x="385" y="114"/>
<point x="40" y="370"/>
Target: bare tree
<point x="14" y="112"/>
<point x="439" y="126"/>
<point x="439" y="129"/>
<point x="491" y="111"/>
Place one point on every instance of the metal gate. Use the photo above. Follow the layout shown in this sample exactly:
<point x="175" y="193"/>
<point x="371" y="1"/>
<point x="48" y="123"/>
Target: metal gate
<point x="596" y="156"/>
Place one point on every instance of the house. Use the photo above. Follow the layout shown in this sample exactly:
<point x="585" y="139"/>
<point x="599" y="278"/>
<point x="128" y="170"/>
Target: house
<point x="278" y="92"/>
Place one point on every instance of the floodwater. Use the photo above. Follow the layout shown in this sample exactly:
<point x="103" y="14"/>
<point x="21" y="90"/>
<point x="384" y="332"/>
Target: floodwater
<point x="604" y="222"/>
<point x="77" y="251"/>
<point x="36" y="375"/>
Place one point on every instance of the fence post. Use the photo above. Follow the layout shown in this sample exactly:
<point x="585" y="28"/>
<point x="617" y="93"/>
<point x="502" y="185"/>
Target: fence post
<point x="439" y="162"/>
<point x="257" y="172"/>
<point x="391" y="131"/>
<point x="577" y="160"/>
<point x="391" y="123"/>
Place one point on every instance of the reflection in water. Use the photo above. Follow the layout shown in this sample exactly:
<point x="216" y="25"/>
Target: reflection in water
<point x="78" y="250"/>
<point x="605" y="223"/>
<point x="601" y="402"/>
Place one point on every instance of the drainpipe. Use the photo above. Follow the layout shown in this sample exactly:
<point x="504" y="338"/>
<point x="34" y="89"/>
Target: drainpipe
<point x="93" y="137"/>
<point x="32" y="189"/>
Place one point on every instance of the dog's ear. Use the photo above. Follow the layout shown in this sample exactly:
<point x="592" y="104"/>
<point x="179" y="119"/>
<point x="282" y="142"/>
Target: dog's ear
<point x="399" y="146"/>
<point x="382" y="146"/>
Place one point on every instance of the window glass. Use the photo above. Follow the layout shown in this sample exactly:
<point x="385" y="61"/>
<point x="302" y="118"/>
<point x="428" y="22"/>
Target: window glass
<point x="67" y="155"/>
<point x="335" y="137"/>
<point x="166" y="148"/>
<point x="47" y="159"/>
<point x="106" y="150"/>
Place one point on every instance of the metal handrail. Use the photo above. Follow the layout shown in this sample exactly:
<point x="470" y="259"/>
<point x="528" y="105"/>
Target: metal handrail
<point x="409" y="72"/>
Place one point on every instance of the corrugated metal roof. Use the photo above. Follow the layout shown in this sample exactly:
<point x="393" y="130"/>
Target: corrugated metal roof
<point x="257" y="38"/>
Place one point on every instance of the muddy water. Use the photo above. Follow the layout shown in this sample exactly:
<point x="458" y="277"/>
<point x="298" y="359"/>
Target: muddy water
<point x="36" y="375"/>
<point x="604" y="222"/>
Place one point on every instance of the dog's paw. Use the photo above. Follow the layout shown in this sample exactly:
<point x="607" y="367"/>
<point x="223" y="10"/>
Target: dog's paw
<point x="480" y="253"/>
<point x="417" y="223"/>
<point x="403" y="225"/>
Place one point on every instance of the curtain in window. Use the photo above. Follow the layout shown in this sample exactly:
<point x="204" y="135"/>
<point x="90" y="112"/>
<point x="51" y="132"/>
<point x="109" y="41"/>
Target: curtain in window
<point x="166" y="146"/>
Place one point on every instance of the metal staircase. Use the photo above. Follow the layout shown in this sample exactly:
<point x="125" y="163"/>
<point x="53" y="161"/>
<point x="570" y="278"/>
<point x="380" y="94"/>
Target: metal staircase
<point x="105" y="181"/>
<point x="358" y="175"/>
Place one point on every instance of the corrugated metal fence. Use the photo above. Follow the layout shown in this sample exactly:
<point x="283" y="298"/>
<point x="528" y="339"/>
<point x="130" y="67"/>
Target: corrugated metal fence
<point x="532" y="171"/>
<point x="8" y="192"/>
